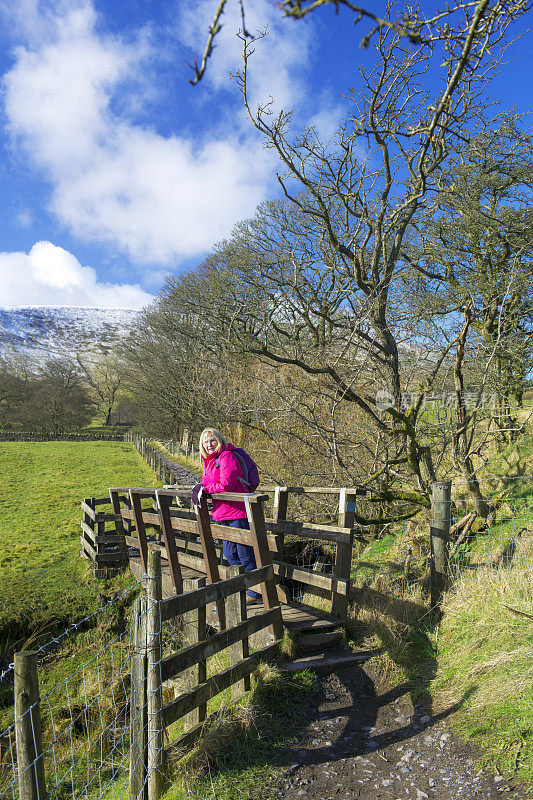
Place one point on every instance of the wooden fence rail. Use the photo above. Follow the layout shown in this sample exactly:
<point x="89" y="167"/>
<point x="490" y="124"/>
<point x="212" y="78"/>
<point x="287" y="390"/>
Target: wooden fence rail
<point x="162" y="519"/>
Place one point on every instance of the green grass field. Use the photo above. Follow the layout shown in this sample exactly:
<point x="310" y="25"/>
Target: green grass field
<point x="44" y="582"/>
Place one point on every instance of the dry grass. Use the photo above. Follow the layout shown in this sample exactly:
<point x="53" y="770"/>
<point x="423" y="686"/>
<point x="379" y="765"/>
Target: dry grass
<point x="485" y="650"/>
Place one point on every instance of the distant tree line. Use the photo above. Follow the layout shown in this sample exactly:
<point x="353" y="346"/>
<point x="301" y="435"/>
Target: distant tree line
<point x="47" y="399"/>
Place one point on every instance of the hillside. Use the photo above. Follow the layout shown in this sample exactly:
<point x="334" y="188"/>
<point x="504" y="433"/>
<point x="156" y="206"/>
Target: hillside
<point x="46" y="331"/>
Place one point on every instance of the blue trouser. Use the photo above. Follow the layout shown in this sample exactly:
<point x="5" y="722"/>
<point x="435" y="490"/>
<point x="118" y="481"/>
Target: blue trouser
<point x="242" y="554"/>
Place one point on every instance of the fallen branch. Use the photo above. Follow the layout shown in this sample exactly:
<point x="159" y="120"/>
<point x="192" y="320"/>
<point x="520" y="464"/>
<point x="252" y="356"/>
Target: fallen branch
<point x="468" y="521"/>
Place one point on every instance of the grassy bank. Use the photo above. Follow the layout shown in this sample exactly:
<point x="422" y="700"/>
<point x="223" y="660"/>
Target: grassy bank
<point x="44" y="581"/>
<point x="485" y="653"/>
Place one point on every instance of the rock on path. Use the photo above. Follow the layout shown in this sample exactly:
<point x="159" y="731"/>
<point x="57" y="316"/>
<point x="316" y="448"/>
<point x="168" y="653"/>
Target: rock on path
<point x="360" y="743"/>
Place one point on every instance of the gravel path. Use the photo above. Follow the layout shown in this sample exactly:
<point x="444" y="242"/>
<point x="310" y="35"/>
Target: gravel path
<point x="370" y="745"/>
<point x="182" y="475"/>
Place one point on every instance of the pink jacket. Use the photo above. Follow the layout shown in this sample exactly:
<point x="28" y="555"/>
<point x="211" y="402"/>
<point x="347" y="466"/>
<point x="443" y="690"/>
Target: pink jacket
<point x="224" y="478"/>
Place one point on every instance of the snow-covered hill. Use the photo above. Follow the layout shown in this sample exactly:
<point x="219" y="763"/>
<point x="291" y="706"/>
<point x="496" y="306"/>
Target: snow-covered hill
<point x="44" y="332"/>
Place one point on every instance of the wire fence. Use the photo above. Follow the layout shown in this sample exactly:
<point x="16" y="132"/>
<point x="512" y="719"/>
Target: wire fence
<point x="82" y="722"/>
<point x="87" y="711"/>
<point x="492" y="533"/>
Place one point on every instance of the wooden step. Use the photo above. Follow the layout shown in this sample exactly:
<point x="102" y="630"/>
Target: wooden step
<point x="311" y="642"/>
<point x="324" y="664"/>
<point x="298" y="617"/>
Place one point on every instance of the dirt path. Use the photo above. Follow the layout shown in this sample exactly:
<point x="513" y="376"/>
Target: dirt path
<point x="362" y="743"/>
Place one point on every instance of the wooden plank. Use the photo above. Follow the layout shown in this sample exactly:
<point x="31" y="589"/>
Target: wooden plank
<point x="279" y="512"/>
<point x="135" y="500"/>
<point x="90" y="532"/>
<point x="328" y="533"/>
<point x="175" y="663"/>
<point x="239" y="496"/>
<point x="194" y="631"/>
<point x="263" y="558"/>
<point x="107" y="517"/>
<point x="175" y="606"/>
<point x="210" y="557"/>
<point x="163" y="502"/>
<point x="313" y="642"/>
<point x="88" y="510"/>
<point x="99" y="557"/>
<point x="327" y="664"/>
<point x="239" y="649"/>
<point x="311" y="577"/>
<point x="343" y="554"/>
<point x="186" y="740"/>
<point x="108" y="538"/>
<point x="299" y="617"/>
<point x="281" y="498"/>
<point x="218" y="683"/>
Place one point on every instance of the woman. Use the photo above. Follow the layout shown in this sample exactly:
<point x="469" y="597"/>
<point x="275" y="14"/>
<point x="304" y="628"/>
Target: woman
<point x="222" y="473"/>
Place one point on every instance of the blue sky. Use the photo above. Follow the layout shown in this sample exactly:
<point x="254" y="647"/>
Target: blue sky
<point x="115" y="171"/>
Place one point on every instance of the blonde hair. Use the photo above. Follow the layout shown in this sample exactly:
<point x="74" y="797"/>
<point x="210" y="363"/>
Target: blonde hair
<point x="218" y="436"/>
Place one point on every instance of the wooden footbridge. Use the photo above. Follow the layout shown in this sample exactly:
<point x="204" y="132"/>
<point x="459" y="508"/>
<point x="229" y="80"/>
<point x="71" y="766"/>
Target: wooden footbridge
<point x="144" y="520"/>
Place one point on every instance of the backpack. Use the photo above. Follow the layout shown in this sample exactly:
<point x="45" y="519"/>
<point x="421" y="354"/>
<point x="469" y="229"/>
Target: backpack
<point x="250" y="473"/>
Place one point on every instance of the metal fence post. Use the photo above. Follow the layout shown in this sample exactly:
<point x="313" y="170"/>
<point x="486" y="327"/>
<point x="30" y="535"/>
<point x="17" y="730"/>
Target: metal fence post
<point x="154" y="686"/>
<point x="32" y="784"/>
<point x="440" y="538"/>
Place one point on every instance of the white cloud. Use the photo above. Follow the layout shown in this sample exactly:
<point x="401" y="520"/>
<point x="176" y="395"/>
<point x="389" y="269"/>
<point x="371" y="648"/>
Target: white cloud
<point x="49" y="275"/>
<point x="278" y="61"/>
<point x="157" y="198"/>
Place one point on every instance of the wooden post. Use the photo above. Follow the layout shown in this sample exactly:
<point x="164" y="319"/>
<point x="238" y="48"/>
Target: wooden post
<point x="154" y="686"/>
<point x="138" y="726"/>
<point x="440" y="538"/>
<point x="119" y="526"/>
<point x="140" y="528"/>
<point x="194" y="631"/>
<point x="209" y="553"/>
<point x="236" y="613"/>
<point x="343" y="554"/>
<point x="346" y="509"/>
<point x="279" y="512"/>
<point x="32" y="784"/>
<point x="169" y="540"/>
<point x="263" y="557"/>
<point x="281" y="498"/>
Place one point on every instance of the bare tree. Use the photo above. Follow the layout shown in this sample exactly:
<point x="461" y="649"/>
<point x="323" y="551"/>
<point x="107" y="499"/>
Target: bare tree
<point x="105" y="377"/>
<point x="355" y="200"/>
<point x="452" y="22"/>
